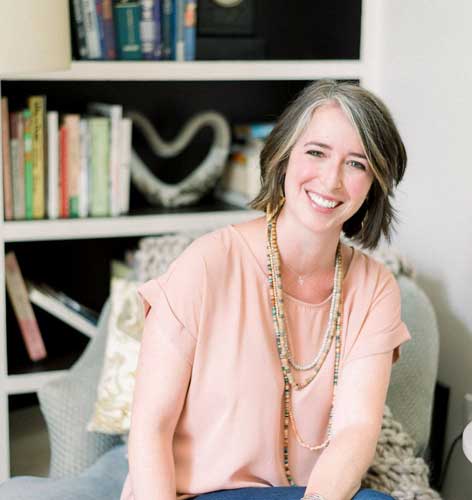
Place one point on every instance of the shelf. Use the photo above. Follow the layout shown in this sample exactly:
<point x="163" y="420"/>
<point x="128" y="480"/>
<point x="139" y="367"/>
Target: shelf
<point x="30" y="382"/>
<point x="202" y="70"/>
<point x="131" y="225"/>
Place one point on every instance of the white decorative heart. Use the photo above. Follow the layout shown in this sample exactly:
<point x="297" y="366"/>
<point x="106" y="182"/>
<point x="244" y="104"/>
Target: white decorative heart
<point x="199" y="181"/>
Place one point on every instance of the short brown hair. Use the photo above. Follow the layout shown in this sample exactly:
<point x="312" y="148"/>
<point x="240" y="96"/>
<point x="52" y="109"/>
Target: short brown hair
<point x="382" y="143"/>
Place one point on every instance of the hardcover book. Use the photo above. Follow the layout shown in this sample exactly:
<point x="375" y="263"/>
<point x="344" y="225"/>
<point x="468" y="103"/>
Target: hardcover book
<point x="24" y="313"/>
<point x="7" y="180"/>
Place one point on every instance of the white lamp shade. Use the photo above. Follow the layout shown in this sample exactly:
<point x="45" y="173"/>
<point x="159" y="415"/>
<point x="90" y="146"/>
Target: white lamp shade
<point x="34" y="36"/>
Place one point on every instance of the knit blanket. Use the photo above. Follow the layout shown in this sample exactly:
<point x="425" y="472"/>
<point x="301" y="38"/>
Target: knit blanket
<point x="395" y="469"/>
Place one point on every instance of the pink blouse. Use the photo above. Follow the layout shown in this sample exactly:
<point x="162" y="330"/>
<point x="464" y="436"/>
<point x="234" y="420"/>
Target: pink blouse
<point x="213" y="305"/>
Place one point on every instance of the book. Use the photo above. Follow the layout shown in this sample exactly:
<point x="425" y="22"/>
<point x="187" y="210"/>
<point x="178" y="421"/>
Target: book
<point x="108" y="30"/>
<point x="179" y="36"/>
<point x="79" y="28"/>
<point x="37" y="105"/>
<point x="126" y="15"/>
<point x="63" y="173"/>
<point x="72" y="124"/>
<point x="125" y="158"/>
<point x="17" y="163"/>
<point x="24" y="313"/>
<point x="53" y="164"/>
<point x="28" y="157"/>
<point x="190" y="32"/>
<point x="167" y="29"/>
<point x="150" y="29"/>
<point x="84" y="169"/>
<point x="114" y="113"/>
<point x="99" y="165"/>
<point x="63" y="307"/>
<point x="7" y="178"/>
<point x="91" y="29"/>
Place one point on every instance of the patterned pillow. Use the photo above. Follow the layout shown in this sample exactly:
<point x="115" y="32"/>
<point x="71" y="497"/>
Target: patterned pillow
<point x="112" y="409"/>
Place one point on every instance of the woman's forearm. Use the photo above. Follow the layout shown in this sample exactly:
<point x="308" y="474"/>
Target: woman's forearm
<point x="339" y="470"/>
<point x="152" y="468"/>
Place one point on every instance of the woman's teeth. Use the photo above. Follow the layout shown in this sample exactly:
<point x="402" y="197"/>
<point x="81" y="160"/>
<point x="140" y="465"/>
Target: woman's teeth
<point x="322" y="201"/>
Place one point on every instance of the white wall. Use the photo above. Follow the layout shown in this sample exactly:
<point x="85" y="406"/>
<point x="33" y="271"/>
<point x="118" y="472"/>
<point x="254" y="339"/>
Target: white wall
<point x="425" y="77"/>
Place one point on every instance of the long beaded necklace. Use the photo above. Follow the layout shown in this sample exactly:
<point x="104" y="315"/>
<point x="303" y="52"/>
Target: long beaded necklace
<point x="278" y="316"/>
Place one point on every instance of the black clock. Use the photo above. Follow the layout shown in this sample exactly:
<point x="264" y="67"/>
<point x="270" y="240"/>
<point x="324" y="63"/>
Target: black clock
<point x="225" y="17"/>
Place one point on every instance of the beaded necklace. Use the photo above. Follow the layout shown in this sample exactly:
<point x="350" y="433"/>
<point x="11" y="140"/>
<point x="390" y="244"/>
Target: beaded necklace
<point x="278" y="316"/>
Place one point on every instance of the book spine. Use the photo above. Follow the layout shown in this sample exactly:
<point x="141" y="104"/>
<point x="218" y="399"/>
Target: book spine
<point x="14" y="161"/>
<point x="167" y="29"/>
<point x="125" y="142"/>
<point x="179" y="40"/>
<point x="37" y="105"/>
<point x="101" y="28"/>
<point x="150" y="29"/>
<point x="99" y="142"/>
<point x="23" y="310"/>
<point x="53" y="164"/>
<point x="84" y="168"/>
<point x="127" y="15"/>
<point x="190" y="23"/>
<point x="20" y="196"/>
<point x="63" y="172"/>
<point x="80" y="29"/>
<point x="28" y="146"/>
<point x="7" y="177"/>
<point x="72" y="123"/>
<point x="91" y="29"/>
<point x="109" y="30"/>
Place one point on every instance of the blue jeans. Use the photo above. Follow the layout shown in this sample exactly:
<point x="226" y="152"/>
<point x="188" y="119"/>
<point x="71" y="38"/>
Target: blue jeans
<point x="104" y="481"/>
<point x="281" y="493"/>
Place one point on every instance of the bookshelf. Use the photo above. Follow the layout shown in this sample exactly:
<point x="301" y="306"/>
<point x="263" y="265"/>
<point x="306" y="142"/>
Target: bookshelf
<point x="86" y="74"/>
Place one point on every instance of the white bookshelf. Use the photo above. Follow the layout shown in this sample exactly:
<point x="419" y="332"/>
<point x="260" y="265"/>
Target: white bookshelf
<point x="364" y="70"/>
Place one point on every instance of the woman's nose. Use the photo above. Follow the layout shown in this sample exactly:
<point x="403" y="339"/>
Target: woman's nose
<point x="332" y="176"/>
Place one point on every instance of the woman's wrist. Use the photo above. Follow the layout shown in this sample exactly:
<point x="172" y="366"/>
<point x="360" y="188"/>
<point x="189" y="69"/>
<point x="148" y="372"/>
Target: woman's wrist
<point x="312" y="496"/>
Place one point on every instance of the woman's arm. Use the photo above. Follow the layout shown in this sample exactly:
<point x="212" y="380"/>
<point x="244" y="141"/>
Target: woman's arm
<point x="357" y="422"/>
<point x="162" y="380"/>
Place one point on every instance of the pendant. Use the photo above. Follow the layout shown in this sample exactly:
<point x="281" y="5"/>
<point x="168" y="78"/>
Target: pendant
<point x="300" y="280"/>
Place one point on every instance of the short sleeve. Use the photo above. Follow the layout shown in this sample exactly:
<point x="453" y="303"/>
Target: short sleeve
<point x="383" y="329"/>
<point x="160" y="318"/>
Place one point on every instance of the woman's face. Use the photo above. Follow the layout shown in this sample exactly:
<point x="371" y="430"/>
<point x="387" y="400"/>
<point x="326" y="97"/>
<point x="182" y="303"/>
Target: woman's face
<point x="328" y="176"/>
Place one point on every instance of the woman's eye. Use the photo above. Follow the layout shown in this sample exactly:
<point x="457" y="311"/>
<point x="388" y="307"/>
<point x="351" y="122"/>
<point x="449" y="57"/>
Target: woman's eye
<point x="314" y="152"/>
<point x="357" y="164"/>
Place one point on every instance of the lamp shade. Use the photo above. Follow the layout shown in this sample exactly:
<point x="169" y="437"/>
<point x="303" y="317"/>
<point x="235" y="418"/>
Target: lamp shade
<point x="34" y="36"/>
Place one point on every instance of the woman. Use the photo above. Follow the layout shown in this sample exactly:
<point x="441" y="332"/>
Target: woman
<point x="268" y="345"/>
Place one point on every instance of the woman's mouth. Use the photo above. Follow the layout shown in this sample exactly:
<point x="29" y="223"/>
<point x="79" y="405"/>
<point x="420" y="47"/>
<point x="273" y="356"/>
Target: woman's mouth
<point x="324" y="205"/>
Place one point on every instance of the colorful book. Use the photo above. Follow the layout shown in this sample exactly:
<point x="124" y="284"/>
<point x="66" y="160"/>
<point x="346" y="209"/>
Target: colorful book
<point x="37" y="105"/>
<point x="17" y="163"/>
<point x="23" y="311"/>
<point x="126" y="15"/>
<point x="99" y="134"/>
<point x="7" y="177"/>
<point x="64" y="308"/>
<point x="79" y="28"/>
<point x="72" y="124"/>
<point x="63" y="172"/>
<point x="190" y="31"/>
<point x="108" y="30"/>
<point x="53" y="164"/>
<point x="114" y="113"/>
<point x="167" y="29"/>
<point x="125" y="158"/>
<point x="150" y="29"/>
<point x="179" y="36"/>
<point x="91" y="29"/>
<point x="84" y="169"/>
<point x="28" y="157"/>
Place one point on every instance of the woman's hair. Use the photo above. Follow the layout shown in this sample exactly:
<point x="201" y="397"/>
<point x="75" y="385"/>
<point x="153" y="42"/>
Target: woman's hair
<point x="382" y="144"/>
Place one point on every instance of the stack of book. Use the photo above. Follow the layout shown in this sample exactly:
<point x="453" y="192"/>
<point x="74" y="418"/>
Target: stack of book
<point x="135" y="29"/>
<point x="65" y="166"/>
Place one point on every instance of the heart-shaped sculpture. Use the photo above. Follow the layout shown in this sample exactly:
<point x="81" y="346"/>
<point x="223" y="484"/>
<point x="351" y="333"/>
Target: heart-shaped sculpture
<point x="203" y="178"/>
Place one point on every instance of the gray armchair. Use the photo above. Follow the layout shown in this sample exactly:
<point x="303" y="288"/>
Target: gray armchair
<point x="67" y="403"/>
